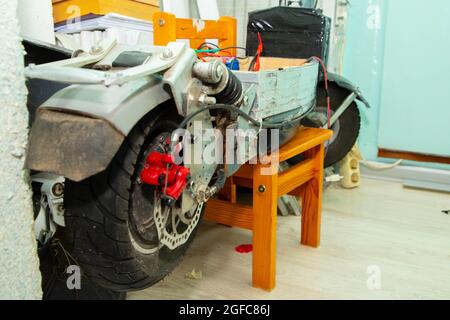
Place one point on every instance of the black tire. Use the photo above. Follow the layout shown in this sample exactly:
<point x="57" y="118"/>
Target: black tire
<point x="104" y="212"/>
<point x="349" y="123"/>
<point x="53" y="266"/>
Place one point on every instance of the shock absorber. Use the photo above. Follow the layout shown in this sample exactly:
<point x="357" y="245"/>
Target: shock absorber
<point x="220" y="82"/>
<point x="232" y="94"/>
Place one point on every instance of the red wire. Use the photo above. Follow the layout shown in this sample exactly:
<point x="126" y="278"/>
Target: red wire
<point x="326" y="89"/>
<point x="215" y="55"/>
<point x="258" y="53"/>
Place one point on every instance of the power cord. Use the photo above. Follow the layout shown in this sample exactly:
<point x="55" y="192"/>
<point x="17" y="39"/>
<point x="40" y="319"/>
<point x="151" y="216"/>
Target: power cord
<point x="327" y="92"/>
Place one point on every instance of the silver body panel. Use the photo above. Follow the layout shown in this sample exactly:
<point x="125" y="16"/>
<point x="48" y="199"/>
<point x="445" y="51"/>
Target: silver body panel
<point x="122" y="106"/>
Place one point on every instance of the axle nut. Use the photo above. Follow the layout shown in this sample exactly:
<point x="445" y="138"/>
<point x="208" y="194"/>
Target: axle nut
<point x="262" y="188"/>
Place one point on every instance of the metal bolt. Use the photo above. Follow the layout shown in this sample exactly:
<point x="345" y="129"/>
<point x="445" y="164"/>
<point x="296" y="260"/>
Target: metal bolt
<point x="161" y="22"/>
<point x="210" y="100"/>
<point x="60" y="208"/>
<point x="262" y="188"/>
<point x="167" y="53"/>
<point x="204" y="99"/>
<point x="58" y="189"/>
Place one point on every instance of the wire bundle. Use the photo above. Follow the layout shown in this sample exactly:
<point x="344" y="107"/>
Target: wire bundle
<point x="209" y="49"/>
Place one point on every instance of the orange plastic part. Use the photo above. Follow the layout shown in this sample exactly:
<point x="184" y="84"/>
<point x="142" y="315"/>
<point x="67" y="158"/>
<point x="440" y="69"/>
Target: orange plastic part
<point x="168" y="28"/>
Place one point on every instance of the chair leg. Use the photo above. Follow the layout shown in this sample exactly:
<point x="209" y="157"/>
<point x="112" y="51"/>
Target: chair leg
<point x="265" y="196"/>
<point x="312" y="201"/>
<point x="228" y="192"/>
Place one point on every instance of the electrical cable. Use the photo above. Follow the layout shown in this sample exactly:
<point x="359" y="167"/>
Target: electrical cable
<point x="373" y="165"/>
<point x="218" y="49"/>
<point x="255" y="64"/>
<point x="380" y="166"/>
<point x="208" y="44"/>
<point x="327" y="92"/>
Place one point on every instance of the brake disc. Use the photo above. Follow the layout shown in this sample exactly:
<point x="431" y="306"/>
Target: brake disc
<point x="168" y="231"/>
<point x="173" y="239"/>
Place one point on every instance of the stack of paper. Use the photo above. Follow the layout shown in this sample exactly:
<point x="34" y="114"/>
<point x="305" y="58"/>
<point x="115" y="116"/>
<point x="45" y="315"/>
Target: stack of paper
<point x="96" y="22"/>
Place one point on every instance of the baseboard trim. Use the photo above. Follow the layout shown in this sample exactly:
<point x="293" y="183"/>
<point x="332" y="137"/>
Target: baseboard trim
<point x="392" y="154"/>
<point x="414" y="177"/>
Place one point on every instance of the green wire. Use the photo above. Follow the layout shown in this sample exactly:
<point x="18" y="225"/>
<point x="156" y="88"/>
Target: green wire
<point x="207" y="51"/>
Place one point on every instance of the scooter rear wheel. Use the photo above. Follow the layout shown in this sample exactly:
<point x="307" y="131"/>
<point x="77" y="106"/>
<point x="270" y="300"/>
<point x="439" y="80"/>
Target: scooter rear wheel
<point x="110" y="230"/>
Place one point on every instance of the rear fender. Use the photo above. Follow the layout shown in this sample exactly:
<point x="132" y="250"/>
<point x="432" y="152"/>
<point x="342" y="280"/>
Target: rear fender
<point x="346" y="84"/>
<point x="122" y="106"/>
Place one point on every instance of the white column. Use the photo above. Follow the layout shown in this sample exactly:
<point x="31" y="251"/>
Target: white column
<point x="19" y="276"/>
<point x="178" y="7"/>
<point x="36" y="20"/>
<point x="208" y="9"/>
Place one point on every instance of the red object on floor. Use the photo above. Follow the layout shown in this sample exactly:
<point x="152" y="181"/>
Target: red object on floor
<point x="244" y="248"/>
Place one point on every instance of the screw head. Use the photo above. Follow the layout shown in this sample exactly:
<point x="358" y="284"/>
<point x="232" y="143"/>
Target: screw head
<point x="58" y="189"/>
<point x="161" y="22"/>
<point x="262" y="188"/>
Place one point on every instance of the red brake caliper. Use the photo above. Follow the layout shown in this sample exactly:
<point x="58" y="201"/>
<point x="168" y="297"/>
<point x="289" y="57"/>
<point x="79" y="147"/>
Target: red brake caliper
<point x="161" y="171"/>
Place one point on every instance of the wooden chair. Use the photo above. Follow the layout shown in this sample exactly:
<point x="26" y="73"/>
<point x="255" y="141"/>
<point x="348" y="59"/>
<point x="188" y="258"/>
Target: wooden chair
<point x="168" y="28"/>
<point x="304" y="180"/>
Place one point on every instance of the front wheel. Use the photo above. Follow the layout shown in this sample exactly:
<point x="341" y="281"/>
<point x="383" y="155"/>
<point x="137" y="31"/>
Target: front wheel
<point x="111" y="228"/>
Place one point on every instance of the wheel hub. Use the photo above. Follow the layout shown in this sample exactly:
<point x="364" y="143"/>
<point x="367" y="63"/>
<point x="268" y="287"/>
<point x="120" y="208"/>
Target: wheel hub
<point x="164" y="182"/>
<point x="173" y="229"/>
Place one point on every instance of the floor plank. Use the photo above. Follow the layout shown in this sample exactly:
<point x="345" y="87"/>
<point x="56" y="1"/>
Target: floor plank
<point x="403" y="232"/>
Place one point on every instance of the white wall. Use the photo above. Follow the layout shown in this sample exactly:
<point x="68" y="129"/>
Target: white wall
<point x="19" y="269"/>
<point x="337" y="11"/>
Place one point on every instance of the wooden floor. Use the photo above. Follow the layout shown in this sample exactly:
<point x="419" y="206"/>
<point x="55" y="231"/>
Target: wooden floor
<point x="381" y="226"/>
